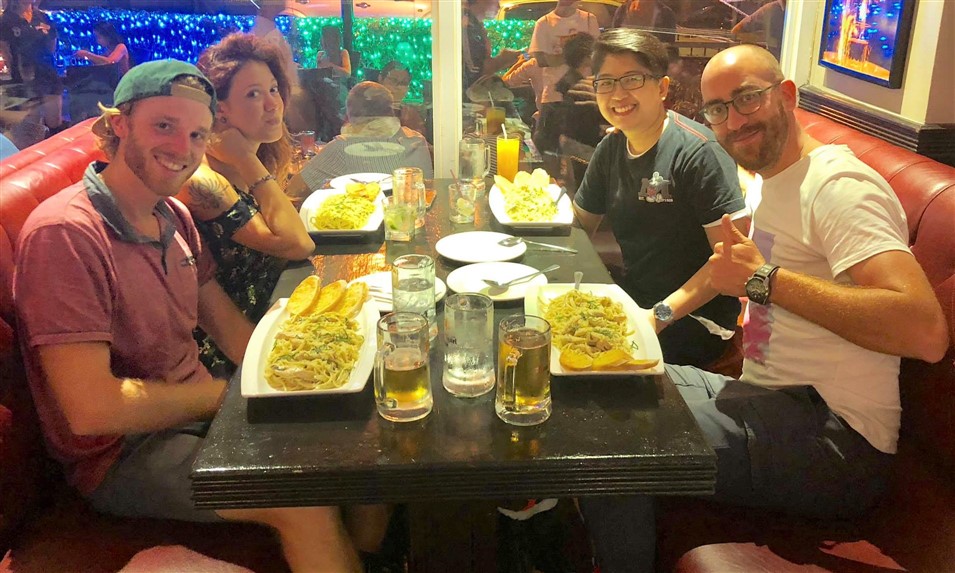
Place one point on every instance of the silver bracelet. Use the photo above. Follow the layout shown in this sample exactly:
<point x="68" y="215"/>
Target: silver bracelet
<point x="259" y="182"/>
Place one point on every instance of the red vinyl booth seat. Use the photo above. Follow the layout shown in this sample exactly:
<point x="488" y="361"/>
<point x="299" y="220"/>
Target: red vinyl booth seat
<point x="44" y="526"/>
<point x="913" y="529"/>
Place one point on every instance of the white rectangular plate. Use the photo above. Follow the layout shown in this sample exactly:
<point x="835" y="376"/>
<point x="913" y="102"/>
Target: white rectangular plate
<point x="253" y="380"/>
<point x="648" y="346"/>
<point x="314" y="202"/>
<point x="564" y="217"/>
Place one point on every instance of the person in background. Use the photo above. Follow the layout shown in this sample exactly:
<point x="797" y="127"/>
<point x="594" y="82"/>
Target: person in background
<point x="30" y="37"/>
<point x="122" y="398"/>
<point x="767" y="23"/>
<point x="551" y="32"/>
<point x="396" y="78"/>
<point x="264" y="27"/>
<point x="114" y="44"/>
<point x="648" y="15"/>
<point x="581" y="120"/>
<point x="7" y="148"/>
<point x="476" y="48"/>
<point x="526" y="72"/>
<point x="835" y="298"/>
<point x="332" y="56"/>
<point x="237" y="196"/>
<point x="664" y="182"/>
<point x="372" y="141"/>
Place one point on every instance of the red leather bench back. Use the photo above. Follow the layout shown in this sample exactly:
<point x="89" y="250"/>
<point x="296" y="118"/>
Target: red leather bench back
<point x="926" y="190"/>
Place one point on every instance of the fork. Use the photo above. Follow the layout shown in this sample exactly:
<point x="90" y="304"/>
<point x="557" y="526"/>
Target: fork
<point x="506" y="284"/>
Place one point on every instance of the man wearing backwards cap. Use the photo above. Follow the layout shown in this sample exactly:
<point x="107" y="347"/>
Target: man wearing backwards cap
<point x="111" y="280"/>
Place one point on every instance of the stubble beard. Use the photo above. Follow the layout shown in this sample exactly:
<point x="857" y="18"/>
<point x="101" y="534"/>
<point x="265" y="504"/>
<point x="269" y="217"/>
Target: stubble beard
<point x="775" y="133"/>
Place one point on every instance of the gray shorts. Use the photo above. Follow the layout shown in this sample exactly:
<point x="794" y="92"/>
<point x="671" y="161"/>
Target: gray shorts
<point x="151" y="477"/>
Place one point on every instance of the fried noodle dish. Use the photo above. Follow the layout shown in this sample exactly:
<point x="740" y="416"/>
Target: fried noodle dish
<point x="587" y="323"/>
<point x="314" y="352"/>
<point x="343" y="212"/>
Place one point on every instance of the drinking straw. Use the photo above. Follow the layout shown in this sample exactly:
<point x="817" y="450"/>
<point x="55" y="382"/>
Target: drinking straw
<point x="504" y="129"/>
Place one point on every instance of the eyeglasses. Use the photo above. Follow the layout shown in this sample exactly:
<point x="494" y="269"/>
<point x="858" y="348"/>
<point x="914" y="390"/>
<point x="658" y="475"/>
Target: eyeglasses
<point x="745" y="103"/>
<point x="628" y="82"/>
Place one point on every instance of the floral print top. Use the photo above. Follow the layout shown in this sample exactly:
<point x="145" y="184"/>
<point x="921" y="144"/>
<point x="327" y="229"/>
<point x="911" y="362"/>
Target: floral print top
<point x="247" y="276"/>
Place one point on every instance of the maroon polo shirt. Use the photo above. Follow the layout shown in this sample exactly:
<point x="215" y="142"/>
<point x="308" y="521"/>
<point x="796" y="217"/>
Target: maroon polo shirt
<point x="84" y="274"/>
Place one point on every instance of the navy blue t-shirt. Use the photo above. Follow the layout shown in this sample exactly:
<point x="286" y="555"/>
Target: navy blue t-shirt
<point x="658" y="204"/>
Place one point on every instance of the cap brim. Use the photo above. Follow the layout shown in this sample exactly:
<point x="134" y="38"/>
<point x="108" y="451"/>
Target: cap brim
<point x="100" y="127"/>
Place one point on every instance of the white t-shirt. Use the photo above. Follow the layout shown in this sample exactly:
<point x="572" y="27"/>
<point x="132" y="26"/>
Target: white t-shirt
<point x="550" y="33"/>
<point x="819" y="217"/>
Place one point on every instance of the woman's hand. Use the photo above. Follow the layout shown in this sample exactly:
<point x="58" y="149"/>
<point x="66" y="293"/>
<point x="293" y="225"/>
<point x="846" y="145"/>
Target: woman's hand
<point x="85" y="54"/>
<point x="231" y="147"/>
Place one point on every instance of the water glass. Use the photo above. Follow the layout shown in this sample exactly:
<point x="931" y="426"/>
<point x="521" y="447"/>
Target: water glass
<point x="508" y="155"/>
<point x="412" y="288"/>
<point x="523" y="371"/>
<point x="461" y="198"/>
<point x="399" y="219"/>
<point x="407" y="185"/>
<point x="468" y="344"/>
<point x="402" y="373"/>
<point x="473" y="162"/>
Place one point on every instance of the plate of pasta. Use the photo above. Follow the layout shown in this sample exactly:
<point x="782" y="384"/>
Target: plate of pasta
<point x="325" y="351"/>
<point x="529" y="202"/>
<point x="597" y="330"/>
<point x="338" y="212"/>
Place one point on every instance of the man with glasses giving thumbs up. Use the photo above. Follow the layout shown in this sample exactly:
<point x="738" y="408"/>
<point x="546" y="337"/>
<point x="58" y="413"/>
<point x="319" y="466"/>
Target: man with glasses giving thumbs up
<point x="835" y="298"/>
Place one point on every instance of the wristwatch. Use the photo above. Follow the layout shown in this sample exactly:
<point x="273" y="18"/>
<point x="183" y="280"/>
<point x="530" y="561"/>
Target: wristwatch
<point x="662" y="312"/>
<point x="758" y="287"/>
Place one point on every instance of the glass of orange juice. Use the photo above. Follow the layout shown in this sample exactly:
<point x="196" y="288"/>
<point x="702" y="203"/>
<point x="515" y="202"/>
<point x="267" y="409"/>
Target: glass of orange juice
<point x="508" y="155"/>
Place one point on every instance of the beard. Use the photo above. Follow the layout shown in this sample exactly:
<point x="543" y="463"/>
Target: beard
<point x="137" y="159"/>
<point x="775" y="132"/>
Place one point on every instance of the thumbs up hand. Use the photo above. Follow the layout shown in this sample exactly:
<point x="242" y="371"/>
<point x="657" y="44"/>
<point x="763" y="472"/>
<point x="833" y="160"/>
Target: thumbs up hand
<point x="733" y="261"/>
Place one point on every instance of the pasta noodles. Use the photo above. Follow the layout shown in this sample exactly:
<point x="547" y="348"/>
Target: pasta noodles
<point x="587" y="323"/>
<point x="314" y="351"/>
<point x="343" y="212"/>
<point x="527" y="199"/>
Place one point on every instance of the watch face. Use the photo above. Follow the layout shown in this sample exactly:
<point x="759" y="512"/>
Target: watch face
<point x="756" y="290"/>
<point x="662" y="312"/>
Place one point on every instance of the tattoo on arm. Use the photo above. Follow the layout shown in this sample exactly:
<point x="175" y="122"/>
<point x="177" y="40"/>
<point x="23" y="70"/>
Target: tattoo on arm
<point x="207" y="193"/>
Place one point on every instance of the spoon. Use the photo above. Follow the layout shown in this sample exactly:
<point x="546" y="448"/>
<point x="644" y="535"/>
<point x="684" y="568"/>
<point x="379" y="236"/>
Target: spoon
<point x="578" y="276"/>
<point x="563" y="191"/>
<point x="506" y="284"/>
<point x="511" y="241"/>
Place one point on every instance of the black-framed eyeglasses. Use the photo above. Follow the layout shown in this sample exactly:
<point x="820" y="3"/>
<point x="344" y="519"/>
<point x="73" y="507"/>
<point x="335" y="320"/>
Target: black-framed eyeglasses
<point x="745" y="103"/>
<point x="628" y="82"/>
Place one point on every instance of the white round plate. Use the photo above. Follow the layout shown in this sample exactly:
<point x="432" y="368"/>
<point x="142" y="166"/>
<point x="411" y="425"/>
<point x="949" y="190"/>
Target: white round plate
<point x="379" y="288"/>
<point x="478" y="247"/>
<point x="340" y="182"/>
<point x="469" y="279"/>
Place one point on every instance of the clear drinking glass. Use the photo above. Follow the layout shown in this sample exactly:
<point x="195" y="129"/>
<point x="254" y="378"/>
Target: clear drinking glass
<point x="523" y="366"/>
<point x="461" y="198"/>
<point x="306" y="143"/>
<point x="402" y="374"/>
<point x="468" y="344"/>
<point x="399" y="219"/>
<point x="407" y="186"/>
<point x="473" y="162"/>
<point x="412" y="288"/>
<point x="508" y="155"/>
<point x="495" y="119"/>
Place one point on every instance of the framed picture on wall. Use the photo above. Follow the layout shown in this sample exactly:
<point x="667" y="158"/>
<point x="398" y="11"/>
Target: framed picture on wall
<point x="867" y="39"/>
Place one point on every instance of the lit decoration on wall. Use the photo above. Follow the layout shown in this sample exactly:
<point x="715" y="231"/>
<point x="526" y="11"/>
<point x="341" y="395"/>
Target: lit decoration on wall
<point x="377" y="41"/>
<point x="867" y="39"/>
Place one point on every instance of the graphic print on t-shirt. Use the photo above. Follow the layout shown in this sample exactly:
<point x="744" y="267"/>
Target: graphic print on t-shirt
<point x="655" y="190"/>
<point x="757" y="323"/>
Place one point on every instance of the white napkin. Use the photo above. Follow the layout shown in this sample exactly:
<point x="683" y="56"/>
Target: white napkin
<point x="713" y="328"/>
<point x="177" y="559"/>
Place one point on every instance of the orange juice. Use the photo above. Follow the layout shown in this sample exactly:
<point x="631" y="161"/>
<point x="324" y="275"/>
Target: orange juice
<point x="495" y="119"/>
<point x="508" y="155"/>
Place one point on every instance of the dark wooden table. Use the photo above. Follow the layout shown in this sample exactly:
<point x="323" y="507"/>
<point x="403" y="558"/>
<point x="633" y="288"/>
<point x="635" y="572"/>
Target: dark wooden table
<point x="606" y="435"/>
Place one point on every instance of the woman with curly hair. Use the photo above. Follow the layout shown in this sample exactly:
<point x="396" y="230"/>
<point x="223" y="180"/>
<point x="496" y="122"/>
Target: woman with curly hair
<point x="237" y="196"/>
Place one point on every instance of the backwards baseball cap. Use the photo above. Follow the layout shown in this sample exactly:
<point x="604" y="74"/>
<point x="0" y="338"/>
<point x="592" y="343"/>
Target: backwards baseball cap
<point x="157" y="78"/>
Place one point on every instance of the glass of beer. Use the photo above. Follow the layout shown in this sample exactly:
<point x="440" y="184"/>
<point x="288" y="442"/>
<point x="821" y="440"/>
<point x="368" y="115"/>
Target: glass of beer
<point x="468" y="345"/>
<point x="523" y="370"/>
<point x="402" y="374"/>
<point x="495" y="119"/>
<point x="508" y="155"/>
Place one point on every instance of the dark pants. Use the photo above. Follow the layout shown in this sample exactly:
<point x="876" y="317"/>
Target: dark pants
<point x="776" y="449"/>
<point x="686" y="342"/>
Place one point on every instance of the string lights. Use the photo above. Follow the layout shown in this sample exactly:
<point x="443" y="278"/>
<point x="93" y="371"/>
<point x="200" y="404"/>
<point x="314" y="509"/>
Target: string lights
<point x="157" y="35"/>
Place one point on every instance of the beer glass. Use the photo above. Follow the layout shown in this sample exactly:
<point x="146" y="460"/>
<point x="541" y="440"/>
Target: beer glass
<point x="461" y="198"/>
<point x="402" y="375"/>
<point x="412" y="288"/>
<point x="407" y="186"/>
<point x="523" y="371"/>
<point x="468" y="345"/>
<point x="473" y="162"/>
